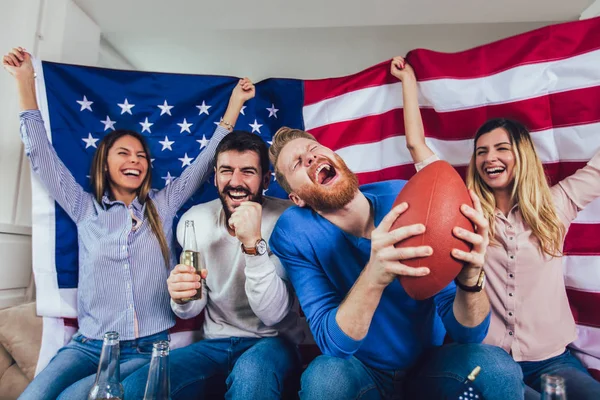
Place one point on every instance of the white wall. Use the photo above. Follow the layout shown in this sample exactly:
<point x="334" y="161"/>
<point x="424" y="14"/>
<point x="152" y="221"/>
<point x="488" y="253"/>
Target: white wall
<point x="298" y="53"/>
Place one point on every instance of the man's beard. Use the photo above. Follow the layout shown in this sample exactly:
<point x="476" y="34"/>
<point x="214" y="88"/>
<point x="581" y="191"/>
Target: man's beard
<point x="255" y="197"/>
<point x="322" y="198"/>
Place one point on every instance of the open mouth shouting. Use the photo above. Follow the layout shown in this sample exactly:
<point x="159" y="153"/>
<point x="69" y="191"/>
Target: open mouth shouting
<point x="494" y="172"/>
<point x="325" y="174"/>
<point x="238" y="194"/>
<point x="132" y="173"/>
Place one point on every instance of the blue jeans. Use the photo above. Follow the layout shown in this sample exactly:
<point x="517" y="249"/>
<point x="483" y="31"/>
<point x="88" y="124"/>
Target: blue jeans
<point x="580" y="384"/>
<point x="438" y="374"/>
<point x="237" y="368"/>
<point x="72" y="371"/>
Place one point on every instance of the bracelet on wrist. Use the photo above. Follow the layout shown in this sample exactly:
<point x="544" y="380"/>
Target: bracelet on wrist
<point x="227" y="125"/>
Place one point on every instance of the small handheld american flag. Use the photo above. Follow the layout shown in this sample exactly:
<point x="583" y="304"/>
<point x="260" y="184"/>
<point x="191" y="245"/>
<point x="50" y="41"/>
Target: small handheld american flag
<point x="468" y="391"/>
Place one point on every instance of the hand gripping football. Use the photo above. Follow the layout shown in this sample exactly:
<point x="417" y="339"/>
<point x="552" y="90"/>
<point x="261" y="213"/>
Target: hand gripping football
<point x="434" y="196"/>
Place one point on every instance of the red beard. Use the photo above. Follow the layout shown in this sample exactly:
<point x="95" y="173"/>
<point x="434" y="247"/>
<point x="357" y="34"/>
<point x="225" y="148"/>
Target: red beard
<point x="324" y="198"/>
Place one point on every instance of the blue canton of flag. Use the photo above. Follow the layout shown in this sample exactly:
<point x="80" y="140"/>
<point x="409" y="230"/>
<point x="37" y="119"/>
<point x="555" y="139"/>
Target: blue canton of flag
<point x="176" y="113"/>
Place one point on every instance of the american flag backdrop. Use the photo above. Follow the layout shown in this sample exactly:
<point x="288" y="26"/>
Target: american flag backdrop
<point x="548" y="78"/>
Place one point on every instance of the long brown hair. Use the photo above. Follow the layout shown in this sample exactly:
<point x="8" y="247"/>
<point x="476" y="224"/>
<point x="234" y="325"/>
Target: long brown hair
<point x="100" y="184"/>
<point x="530" y="191"/>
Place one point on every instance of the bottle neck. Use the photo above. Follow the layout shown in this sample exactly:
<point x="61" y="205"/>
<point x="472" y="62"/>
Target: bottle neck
<point x="109" y="368"/>
<point x="158" y="385"/>
<point x="553" y="388"/>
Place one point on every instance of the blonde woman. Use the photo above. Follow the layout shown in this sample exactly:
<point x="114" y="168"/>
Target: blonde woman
<point x="528" y="220"/>
<point x="125" y="230"/>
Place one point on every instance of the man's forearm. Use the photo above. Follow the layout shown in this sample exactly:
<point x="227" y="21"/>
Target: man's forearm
<point x="356" y="312"/>
<point x="470" y="308"/>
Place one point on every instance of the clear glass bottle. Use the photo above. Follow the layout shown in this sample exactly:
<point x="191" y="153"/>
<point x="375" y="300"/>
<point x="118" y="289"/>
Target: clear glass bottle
<point x="108" y="378"/>
<point x="553" y="387"/>
<point x="190" y="255"/>
<point x="158" y="386"/>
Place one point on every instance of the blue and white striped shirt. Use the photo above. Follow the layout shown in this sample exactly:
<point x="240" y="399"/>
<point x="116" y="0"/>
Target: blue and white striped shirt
<point x="121" y="271"/>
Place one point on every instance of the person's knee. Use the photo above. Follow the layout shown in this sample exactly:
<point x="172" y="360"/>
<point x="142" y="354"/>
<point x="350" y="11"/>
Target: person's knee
<point x="498" y="360"/>
<point x="330" y="378"/>
<point x="253" y="369"/>
<point x="496" y="364"/>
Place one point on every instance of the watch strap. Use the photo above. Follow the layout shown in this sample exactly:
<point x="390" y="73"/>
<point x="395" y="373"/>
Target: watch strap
<point x="475" y="288"/>
<point x="252" y="251"/>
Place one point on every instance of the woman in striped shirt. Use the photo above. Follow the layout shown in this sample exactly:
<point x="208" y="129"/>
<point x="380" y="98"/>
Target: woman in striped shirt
<point x="124" y="233"/>
<point x="528" y="220"/>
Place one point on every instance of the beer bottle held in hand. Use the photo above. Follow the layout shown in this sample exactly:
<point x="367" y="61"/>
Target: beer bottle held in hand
<point x="158" y="386"/>
<point x="191" y="257"/>
<point x="108" y="378"/>
<point x="553" y="387"/>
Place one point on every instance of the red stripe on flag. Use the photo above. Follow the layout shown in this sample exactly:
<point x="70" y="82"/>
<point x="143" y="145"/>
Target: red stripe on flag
<point x="549" y="43"/>
<point x="72" y="322"/>
<point x="575" y="107"/>
<point x="584" y="306"/>
<point x="192" y="324"/>
<point x="583" y="240"/>
<point x="320" y="89"/>
<point x="595" y="373"/>
<point x="531" y="47"/>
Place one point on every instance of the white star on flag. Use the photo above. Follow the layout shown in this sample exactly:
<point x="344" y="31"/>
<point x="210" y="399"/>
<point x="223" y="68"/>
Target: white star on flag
<point x="185" y="126"/>
<point x="152" y="162"/>
<point x="272" y="111"/>
<point x="85" y="104"/>
<point x="203" y="142"/>
<point x="218" y="122"/>
<point x="203" y="108"/>
<point x="274" y="177"/>
<point x="146" y="125"/>
<point x="108" y="124"/>
<point x="255" y="126"/>
<point x="167" y="178"/>
<point x="90" y="141"/>
<point x="242" y="110"/>
<point x="166" y="144"/>
<point x="126" y="107"/>
<point x="265" y="192"/>
<point x="185" y="160"/>
<point x="165" y="108"/>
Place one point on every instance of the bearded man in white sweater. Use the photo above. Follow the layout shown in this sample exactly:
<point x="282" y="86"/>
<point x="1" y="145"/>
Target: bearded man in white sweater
<point x="251" y="326"/>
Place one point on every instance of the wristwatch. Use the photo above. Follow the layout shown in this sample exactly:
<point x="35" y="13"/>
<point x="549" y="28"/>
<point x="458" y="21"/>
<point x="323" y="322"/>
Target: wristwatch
<point x="478" y="287"/>
<point x="259" y="248"/>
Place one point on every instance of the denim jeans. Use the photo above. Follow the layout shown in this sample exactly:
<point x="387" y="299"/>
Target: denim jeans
<point x="237" y="368"/>
<point x="438" y="374"/>
<point x="72" y="371"/>
<point x="580" y="384"/>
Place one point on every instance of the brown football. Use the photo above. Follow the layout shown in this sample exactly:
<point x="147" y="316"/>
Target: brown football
<point x="434" y="196"/>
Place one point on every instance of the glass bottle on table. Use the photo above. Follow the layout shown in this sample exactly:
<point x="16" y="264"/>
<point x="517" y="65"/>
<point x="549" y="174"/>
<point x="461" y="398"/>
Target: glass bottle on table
<point x="191" y="257"/>
<point x="158" y="385"/>
<point x="553" y="387"/>
<point x="108" y="378"/>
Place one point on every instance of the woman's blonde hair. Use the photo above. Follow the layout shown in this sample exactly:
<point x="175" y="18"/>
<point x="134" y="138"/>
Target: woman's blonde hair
<point x="100" y="185"/>
<point x="530" y="190"/>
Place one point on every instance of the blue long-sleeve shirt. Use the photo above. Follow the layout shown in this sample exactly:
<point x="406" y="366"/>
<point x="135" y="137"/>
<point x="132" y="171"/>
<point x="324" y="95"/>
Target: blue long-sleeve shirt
<point x="122" y="276"/>
<point x="323" y="263"/>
